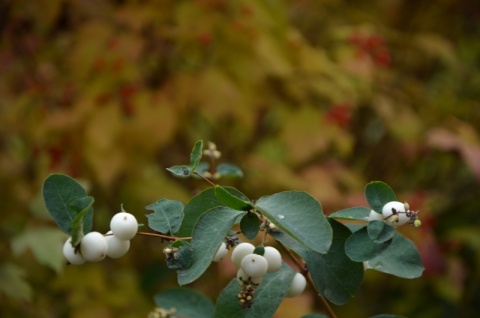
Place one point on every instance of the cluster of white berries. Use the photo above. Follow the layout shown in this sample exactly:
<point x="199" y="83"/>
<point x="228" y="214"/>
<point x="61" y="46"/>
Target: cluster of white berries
<point x="252" y="267"/>
<point x="95" y="246"/>
<point x="396" y="213"/>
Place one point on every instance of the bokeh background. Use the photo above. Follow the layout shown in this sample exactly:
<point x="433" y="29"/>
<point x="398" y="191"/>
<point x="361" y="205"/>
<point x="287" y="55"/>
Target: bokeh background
<point x="321" y="96"/>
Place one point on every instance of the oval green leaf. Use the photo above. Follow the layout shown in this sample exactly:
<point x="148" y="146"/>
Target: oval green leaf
<point x="208" y="234"/>
<point x="167" y="216"/>
<point x="299" y="215"/>
<point x="59" y="193"/>
<point x="379" y="231"/>
<point x="199" y="204"/>
<point x="378" y="194"/>
<point x="231" y="200"/>
<point x="401" y="259"/>
<point x="360" y="247"/>
<point x="250" y="225"/>
<point x="358" y="213"/>
<point x="185" y="302"/>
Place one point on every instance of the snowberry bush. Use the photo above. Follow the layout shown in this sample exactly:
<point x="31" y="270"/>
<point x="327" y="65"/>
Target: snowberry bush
<point x="327" y="253"/>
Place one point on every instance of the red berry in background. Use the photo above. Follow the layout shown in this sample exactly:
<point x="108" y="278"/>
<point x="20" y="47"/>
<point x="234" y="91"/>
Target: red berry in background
<point x="340" y="115"/>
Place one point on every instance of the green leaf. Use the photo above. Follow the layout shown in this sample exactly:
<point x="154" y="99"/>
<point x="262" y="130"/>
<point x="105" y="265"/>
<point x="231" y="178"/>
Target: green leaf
<point x="196" y="155"/>
<point x="379" y="231"/>
<point x="183" y="258"/>
<point x="231" y="200"/>
<point x="268" y="296"/>
<point x="401" y="259"/>
<point x="59" y="192"/>
<point x="228" y="170"/>
<point x="359" y="213"/>
<point x="378" y="194"/>
<point x="360" y="247"/>
<point x="314" y="316"/>
<point x="45" y="244"/>
<point x="13" y="283"/>
<point x="199" y="204"/>
<point x="184" y="301"/>
<point x="208" y="234"/>
<point x="334" y="274"/>
<point x="167" y="216"/>
<point x="82" y="205"/>
<point x="300" y="215"/>
<point x="250" y="225"/>
<point x="182" y="171"/>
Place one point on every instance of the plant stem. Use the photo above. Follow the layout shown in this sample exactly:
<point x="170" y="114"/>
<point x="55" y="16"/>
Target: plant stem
<point x="304" y="271"/>
<point x="205" y="179"/>
<point x="164" y="236"/>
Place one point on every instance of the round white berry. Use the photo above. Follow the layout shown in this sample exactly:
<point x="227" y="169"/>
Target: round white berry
<point x="70" y="255"/>
<point x="221" y="252"/>
<point x="94" y="247"/>
<point x="374" y="216"/>
<point x="394" y="213"/>
<point x="254" y="265"/>
<point x="116" y="247"/>
<point x="297" y="286"/>
<point x="243" y="278"/>
<point x="274" y="259"/>
<point x="240" y="251"/>
<point x="124" y="225"/>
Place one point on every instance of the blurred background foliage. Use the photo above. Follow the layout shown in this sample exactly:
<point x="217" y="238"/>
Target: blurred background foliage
<point x="322" y="96"/>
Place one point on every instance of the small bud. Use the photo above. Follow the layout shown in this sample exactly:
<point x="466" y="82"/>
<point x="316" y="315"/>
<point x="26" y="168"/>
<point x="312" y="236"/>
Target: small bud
<point x="407" y="206"/>
<point x="272" y="226"/>
<point x="417" y="223"/>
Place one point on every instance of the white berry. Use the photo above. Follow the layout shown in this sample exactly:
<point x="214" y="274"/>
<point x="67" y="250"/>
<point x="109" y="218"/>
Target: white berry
<point x="221" y="252"/>
<point x="254" y="265"/>
<point x="374" y="216"/>
<point x="94" y="247"/>
<point x="124" y="225"/>
<point x="297" y="285"/>
<point x="242" y="278"/>
<point x="70" y="255"/>
<point x="274" y="259"/>
<point x="394" y="213"/>
<point x="116" y="247"/>
<point x="240" y="251"/>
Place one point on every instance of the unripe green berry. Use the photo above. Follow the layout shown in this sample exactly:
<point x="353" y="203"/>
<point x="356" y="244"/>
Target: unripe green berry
<point x="417" y="223"/>
<point x="274" y="259"/>
<point x="94" y="247"/>
<point x="221" y="252"/>
<point x="124" y="225"/>
<point x="297" y="286"/>
<point x="240" y="251"/>
<point x="70" y="255"/>
<point x="116" y="247"/>
<point x="254" y="265"/>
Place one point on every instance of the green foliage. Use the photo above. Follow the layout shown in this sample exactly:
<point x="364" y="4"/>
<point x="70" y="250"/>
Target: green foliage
<point x="268" y="295"/>
<point x="65" y="199"/>
<point x="167" y="217"/>
<point x="361" y="247"/>
<point x="208" y="233"/>
<point x="249" y="225"/>
<point x="186" y="302"/>
<point x="231" y="200"/>
<point x="380" y="232"/>
<point x="335" y="275"/>
<point x="300" y="215"/>
<point x="313" y="95"/>
<point x="378" y="194"/>
<point x="358" y="213"/>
